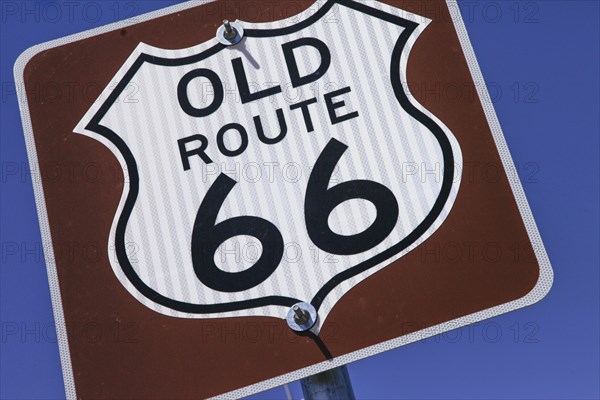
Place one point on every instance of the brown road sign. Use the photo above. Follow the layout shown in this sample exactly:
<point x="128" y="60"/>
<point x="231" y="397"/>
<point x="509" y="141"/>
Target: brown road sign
<point x="255" y="200"/>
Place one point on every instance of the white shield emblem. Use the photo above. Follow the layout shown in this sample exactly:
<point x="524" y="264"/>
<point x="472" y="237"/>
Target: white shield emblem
<point x="287" y="168"/>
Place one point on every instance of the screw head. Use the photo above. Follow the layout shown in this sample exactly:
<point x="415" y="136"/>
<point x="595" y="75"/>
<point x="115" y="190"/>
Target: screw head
<point x="230" y="33"/>
<point x="301" y="317"/>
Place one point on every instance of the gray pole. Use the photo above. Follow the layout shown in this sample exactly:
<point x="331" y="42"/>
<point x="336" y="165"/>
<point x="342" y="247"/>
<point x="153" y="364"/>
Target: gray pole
<point x="329" y="385"/>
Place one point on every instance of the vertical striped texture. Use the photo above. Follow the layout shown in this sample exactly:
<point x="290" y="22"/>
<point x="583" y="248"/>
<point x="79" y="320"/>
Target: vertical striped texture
<point x="385" y="145"/>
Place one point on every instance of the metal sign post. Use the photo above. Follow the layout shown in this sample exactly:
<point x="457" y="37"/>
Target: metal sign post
<point x="333" y="384"/>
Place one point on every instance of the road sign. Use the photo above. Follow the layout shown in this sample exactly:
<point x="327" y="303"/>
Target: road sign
<point x="256" y="193"/>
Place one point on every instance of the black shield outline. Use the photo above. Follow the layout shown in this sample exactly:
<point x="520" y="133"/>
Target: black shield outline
<point x="120" y="243"/>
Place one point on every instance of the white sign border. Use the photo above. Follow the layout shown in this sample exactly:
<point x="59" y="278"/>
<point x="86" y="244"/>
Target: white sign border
<point x="540" y="290"/>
